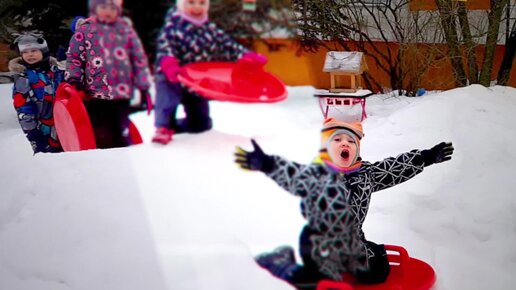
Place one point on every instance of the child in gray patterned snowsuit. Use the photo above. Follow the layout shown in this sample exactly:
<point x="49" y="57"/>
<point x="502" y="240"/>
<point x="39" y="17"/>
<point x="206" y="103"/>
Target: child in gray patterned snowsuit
<point x="107" y="60"/>
<point x="187" y="36"/>
<point x="335" y="192"/>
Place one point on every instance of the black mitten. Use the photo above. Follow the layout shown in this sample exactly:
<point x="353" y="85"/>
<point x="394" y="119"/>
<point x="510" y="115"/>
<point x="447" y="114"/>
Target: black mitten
<point x="255" y="160"/>
<point x="437" y="154"/>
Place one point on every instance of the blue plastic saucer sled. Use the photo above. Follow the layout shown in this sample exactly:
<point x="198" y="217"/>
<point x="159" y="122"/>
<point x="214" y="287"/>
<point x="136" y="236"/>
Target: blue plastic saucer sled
<point x="407" y="273"/>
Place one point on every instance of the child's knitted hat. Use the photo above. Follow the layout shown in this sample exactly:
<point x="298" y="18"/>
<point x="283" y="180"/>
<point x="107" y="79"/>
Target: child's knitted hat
<point x="333" y="127"/>
<point x="94" y="3"/>
<point x="31" y="41"/>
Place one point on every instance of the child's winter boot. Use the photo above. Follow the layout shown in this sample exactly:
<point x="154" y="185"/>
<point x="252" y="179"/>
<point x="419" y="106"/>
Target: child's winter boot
<point x="280" y="263"/>
<point x="163" y="135"/>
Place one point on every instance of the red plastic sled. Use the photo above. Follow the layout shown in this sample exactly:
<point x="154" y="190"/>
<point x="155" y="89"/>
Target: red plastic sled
<point x="73" y="124"/>
<point x="242" y="81"/>
<point x="136" y="138"/>
<point x="71" y="119"/>
<point x="406" y="274"/>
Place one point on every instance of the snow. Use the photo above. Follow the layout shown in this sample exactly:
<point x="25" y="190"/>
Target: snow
<point x="343" y="61"/>
<point x="183" y="216"/>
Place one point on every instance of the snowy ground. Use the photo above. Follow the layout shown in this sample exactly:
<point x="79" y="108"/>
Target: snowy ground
<point x="183" y="216"/>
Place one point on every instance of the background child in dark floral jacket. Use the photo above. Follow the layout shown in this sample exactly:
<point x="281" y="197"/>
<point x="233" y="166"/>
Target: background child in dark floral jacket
<point x="188" y="37"/>
<point x="335" y="192"/>
<point x="34" y="91"/>
<point x="107" y="60"/>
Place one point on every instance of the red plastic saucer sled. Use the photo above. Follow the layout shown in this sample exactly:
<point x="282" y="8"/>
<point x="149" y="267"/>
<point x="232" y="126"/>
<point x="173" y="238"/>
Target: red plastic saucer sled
<point x="72" y="123"/>
<point x="242" y="81"/>
<point x="406" y="274"/>
<point x="71" y="119"/>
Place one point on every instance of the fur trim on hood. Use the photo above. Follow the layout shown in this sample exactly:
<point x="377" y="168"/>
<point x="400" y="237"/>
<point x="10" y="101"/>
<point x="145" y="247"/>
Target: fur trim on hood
<point x="16" y="65"/>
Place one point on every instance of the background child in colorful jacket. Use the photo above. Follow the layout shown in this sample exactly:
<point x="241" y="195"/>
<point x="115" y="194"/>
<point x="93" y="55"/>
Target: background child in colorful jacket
<point x="34" y="91"/>
<point x="335" y="192"/>
<point x="187" y="37"/>
<point x="107" y="60"/>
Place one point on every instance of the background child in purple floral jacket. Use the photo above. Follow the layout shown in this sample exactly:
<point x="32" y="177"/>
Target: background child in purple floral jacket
<point x="107" y="60"/>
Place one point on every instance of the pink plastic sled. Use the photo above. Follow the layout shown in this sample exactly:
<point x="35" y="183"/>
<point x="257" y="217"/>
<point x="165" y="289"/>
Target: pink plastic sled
<point x="72" y="123"/>
<point x="406" y="274"/>
<point x="242" y="81"/>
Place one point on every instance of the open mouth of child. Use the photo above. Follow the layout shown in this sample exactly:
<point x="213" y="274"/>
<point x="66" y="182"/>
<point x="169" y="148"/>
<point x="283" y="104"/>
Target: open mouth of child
<point x="344" y="154"/>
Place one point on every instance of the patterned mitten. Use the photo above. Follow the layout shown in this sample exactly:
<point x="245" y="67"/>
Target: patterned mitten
<point x="171" y="68"/>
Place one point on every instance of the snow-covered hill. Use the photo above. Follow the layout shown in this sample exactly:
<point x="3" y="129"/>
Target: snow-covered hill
<point x="183" y="216"/>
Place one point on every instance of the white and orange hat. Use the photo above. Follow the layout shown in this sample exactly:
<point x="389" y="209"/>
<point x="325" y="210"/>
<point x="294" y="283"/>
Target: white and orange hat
<point x="333" y="127"/>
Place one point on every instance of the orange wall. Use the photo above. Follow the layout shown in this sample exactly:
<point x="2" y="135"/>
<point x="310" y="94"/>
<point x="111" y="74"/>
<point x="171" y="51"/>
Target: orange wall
<point x="4" y="57"/>
<point x="296" y="67"/>
<point x="430" y="4"/>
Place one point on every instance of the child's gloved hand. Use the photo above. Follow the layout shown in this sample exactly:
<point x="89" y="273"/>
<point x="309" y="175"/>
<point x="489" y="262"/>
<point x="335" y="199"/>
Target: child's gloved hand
<point x="255" y="160"/>
<point x="437" y="154"/>
<point x="255" y="57"/>
<point x="171" y="68"/>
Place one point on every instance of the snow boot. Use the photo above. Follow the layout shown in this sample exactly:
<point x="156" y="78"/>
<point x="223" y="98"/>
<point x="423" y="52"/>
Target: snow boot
<point x="163" y="135"/>
<point x="280" y="263"/>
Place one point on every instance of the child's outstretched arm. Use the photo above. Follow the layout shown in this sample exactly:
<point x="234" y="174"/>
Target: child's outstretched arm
<point x="393" y="171"/>
<point x="280" y="170"/>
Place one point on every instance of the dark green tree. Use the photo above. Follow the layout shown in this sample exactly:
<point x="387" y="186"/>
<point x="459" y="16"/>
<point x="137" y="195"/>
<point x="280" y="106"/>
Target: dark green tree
<point x="51" y="18"/>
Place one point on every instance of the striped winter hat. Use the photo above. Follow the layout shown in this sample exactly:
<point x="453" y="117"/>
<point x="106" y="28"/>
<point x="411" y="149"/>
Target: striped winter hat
<point x="93" y="5"/>
<point x="333" y="127"/>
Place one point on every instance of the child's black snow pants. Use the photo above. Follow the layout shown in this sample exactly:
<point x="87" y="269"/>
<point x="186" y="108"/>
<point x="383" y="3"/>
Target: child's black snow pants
<point x="110" y="121"/>
<point x="308" y="275"/>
